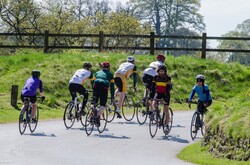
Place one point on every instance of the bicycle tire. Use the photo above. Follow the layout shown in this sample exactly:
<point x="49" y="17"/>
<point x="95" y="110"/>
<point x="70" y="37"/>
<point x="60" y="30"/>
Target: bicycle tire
<point x="22" y="122"/>
<point x="166" y="132"/>
<point x="89" y="123"/>
<point x="202" y="125"/>
<point x="69" y="115"/>
<point x="154" y="124"/>
<point x="129" y="113"/>
<point x="33" y="125"/>
<point x="193" y="125"/>
<point x="110" y="113"/>
<point x="103" y="121"/>
<point x="141" y="112"/>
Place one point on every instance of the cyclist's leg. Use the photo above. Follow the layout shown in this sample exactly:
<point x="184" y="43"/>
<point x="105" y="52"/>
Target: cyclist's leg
<point x="85" y="93"/>
<point x="72" y="90"/>
<point x="166" y="107"/>
<point x="103" y="92"/>
<point x="119" y="81"/>
<point x="34" y="106"/>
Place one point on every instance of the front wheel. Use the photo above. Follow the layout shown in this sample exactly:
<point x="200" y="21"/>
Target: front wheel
<point x="202" y="125"/>
<point x="89" y="122"/>
<point x="22" y="122"/>
<point x="128" y="108"/>
<point x="33" y="124"/>
<point x="154" y="122"/>
<point x="69" y="115"/>
<point x="103" y="121"/>
<point x="110" y="112"/>
<point x="166" y="131"/>
<point x="194" y="128"/>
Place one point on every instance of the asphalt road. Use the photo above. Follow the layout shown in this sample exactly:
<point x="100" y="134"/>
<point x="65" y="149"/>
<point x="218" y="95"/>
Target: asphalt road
<point x="122" y="143"/>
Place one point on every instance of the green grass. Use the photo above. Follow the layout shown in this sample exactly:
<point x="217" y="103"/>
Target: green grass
<point x="199" y="155"/>
<point x="229" y="83"/>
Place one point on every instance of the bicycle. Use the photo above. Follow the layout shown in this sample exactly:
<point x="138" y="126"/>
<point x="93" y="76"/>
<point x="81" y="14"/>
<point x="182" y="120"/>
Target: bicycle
<point x="111" y="110"/>
<point x="129" y="105"/>
<point x="25" y="116"/>
<point x="91" y="119"/>
<point x="73" y="112"/>
<point x="157" y="120"/>
<point x="197" y="121"/>
<point x="142" y="109"/>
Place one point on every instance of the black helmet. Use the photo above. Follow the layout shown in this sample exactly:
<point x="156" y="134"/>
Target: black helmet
<point x="200" y="77"/>
<point x="162" y="67"/>
<point x="35" y="73"/>
<point x="87" y="65"/>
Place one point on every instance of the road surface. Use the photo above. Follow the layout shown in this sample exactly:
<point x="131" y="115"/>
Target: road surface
<point x="122" y="143"/>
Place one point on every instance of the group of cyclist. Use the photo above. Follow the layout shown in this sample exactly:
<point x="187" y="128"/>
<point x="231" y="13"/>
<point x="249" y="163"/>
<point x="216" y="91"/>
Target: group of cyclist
<point x="155" y="78"/>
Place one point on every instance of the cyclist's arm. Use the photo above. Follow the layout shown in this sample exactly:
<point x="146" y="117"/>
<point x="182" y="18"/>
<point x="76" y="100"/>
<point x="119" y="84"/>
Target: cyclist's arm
<point x="191" y="95"/>
<point x="41" y="87"/>
<point x="134" y="74"/>
<point x="92" y="79"/>
<point x="112" y="88"/>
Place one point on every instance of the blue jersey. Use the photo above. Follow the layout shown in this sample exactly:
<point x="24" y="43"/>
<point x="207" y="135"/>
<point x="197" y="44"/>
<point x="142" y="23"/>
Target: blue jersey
<point x="31" y="85"/>
<point x="202" y="91"/>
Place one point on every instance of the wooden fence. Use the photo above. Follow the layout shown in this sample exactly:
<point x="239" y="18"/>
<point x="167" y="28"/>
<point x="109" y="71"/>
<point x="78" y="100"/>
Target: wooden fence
<point x="101" y="46"/>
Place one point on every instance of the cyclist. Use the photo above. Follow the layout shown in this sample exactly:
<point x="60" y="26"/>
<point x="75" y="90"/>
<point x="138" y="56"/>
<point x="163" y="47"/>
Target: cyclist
<point x="204" y="96"/>
<point x="147" y="78"/>
<point x="76" y="84"/>
<point x="124" y="70"/>
<point x="163" y="86"/>
<point x="160" y="61"/>
<point x="29" y="90"/>
<point x="103" y="79"/>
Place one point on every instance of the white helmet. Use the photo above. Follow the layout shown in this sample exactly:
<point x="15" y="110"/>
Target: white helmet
<point x="130" y="59"/>
<point x="200" y="77"/>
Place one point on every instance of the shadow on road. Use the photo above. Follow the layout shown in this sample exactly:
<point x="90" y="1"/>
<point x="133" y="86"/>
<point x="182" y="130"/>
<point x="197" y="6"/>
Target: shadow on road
<point x="174" y="138"/>
<point x="111" y="136"/>
<point x="42" y="134"/>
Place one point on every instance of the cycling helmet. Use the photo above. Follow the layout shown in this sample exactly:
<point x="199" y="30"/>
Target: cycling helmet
<point x="106" y="65"/>
<point x="130" y="59"/>
<point x="87" y="65"/>
<point x="161" y="57"/>
<point x="200" y="77"/>
<point x="35" y="73"/>
<point x="162" y="67"/>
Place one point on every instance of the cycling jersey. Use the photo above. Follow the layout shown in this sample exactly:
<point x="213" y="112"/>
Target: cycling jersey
<point x="105" y="78"/>
<point x="125" y="68"/>
<point x="156" y="64"/>
<point x="150" y="72"/>
<point x="31" y="86"/>
<point x="161" y="84"/>
<point x="81" y="76"/>
<point x="203" y="93"/>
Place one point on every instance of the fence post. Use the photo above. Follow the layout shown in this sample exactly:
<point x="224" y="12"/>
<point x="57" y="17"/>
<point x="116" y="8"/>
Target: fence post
<point x="152" y="43"/>
<point x="14" y="93"/>
<point x="204" y="45"/>
<point x="46" y="41"/>
<point x="101" y="39"/>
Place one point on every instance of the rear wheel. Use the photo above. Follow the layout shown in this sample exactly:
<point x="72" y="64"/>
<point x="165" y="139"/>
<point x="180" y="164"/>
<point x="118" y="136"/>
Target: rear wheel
<point x="194" y="127"/>
<point x="103" y="121"/>
<point x="153" y="124"/>
<point x="69" y="115"/>
<point x="141" y="112"/>
<point x="128" y="108"/>
<point x="22" y="122"/>
<point x="33" y="124"/>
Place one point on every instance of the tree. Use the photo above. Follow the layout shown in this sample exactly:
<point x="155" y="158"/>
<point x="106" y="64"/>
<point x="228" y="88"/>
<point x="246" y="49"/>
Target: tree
<point x="242" y="30"/>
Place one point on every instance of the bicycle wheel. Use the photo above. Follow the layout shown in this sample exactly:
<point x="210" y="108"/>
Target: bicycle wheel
<point x="141" y="112"/>
<point x="110" y="113"/>
<point x="170" y="124"/>
<point x="89" y="122"/>
<point x="33" y="124"/>
<point x="154" y="124"/>
<point x="128" y="108"/>
<point x="193" y="128"/>
<point x="103" y="121"/>
<point x="22" y="122"/>
<point x="202" y="125"/>
<point x="69" y="115"/>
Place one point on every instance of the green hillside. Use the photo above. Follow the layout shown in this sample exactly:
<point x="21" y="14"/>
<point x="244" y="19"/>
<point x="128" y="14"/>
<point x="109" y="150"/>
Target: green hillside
<point x="229" y="114"/>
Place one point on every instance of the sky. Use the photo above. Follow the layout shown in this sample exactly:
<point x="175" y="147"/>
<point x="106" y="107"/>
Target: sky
<point x="222" y="16"/>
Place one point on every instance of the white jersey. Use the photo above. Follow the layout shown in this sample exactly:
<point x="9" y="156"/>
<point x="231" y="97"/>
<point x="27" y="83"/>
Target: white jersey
<point x="156" y="64"/>
<point x="80" y="76"/>
<point x="150" y="72"/>
<point x="125" y="68"/>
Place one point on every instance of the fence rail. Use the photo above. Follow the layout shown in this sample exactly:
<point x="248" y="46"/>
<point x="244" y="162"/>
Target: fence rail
<point x="101" y="38"/>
